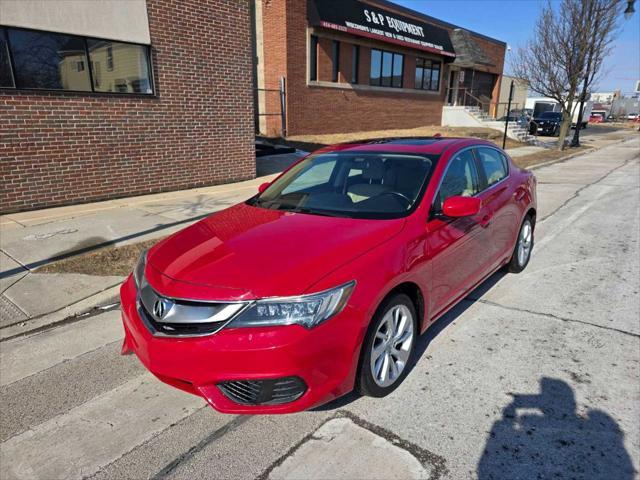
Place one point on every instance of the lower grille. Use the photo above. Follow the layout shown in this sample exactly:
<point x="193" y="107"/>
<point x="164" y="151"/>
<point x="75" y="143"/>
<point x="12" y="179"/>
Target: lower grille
<point x="264" y="392"/>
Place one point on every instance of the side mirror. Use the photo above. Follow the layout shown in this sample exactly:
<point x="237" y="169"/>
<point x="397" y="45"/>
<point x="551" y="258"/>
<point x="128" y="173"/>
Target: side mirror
<point x="263" y="187"/>
<point x="461" y="206"/>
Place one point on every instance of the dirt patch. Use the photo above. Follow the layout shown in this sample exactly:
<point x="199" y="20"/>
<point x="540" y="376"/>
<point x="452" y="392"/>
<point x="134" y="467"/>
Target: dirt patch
<point x="313" y="142"/>
<point x="105" y="261"/>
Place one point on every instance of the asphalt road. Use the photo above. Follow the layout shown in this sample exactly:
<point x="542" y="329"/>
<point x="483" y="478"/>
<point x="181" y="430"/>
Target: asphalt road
<point x="534" y="375"/>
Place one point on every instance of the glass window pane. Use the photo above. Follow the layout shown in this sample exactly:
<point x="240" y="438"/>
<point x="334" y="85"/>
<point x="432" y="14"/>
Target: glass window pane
<point x="387" y="61"/>
<point x="435" y="78"/>
<point x="6" y="78"/>
<point x="426" y="82"/>
<point x="419" y="73"/>
<point x="355" y="63"/>
<point x="313" y="58"/>
<point x="376" y="61"/>
<point x="49" y="60"/>
<point x="398" y="61"/>
<point x="460" y="179"/>
<point x="119" y="67"/>
<point x="494" y="165"/>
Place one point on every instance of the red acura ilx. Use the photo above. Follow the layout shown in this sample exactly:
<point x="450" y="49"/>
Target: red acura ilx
<point x="322" y="282"/>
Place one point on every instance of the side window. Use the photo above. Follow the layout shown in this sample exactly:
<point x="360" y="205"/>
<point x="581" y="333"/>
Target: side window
<point x="494" y="165"/>
<point x="460" y="179"/>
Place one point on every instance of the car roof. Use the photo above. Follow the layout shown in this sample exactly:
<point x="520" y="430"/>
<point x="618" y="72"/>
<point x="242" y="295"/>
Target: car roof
<point x="428" y="145"/>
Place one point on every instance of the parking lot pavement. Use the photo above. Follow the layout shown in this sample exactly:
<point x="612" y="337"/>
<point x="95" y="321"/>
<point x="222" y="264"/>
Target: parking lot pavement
<point x="534" y="375"/>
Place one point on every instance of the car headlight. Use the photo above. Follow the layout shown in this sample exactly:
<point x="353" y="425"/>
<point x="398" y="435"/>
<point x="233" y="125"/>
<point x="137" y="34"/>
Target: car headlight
<point x="306" y="310"/>
<point x="138" y="271"/>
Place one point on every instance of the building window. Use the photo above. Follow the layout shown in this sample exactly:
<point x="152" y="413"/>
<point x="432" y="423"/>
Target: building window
<point x="110" y="59"/>
<point x="386" y="69"/>
<point x="130" y="67"/>
<point x="428" y="74"/>
<point x="31" y="59"/>
<point x="335" y="59"/>
<point x="6" y="75"/>
<point x="48" y="60"/>
<point x="313" y="58"/>
<point x="355" y="63"/>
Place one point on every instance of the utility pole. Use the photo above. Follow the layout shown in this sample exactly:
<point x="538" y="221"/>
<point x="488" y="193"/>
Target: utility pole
<point x="506" y="122"/>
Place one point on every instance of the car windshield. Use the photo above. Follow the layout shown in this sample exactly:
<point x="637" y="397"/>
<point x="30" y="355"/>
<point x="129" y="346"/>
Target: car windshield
<point x="551" y="115"/>
<point x="351" y="184"/>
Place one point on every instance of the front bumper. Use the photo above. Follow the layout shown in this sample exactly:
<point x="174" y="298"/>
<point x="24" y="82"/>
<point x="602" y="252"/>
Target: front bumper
<point x="325" y="357"/>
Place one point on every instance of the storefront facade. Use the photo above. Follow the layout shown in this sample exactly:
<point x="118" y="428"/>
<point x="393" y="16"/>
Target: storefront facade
<point x="350" y="65"/>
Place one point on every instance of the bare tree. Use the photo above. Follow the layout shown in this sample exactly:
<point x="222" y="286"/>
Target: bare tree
<point x="555" y="60"/>
<point x="601" y="29"/>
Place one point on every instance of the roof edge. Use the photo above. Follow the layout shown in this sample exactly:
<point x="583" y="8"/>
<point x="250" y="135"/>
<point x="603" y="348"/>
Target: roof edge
<point x="424" y="16"/>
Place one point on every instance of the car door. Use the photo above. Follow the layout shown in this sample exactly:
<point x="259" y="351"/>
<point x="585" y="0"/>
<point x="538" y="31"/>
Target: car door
<point x="499" y="209"/>
<point x="455" y="245"/>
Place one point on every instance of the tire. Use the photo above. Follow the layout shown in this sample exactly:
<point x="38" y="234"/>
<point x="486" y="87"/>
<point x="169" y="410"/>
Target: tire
<point x="396" y="355"/>
<point x="520" y="258"/>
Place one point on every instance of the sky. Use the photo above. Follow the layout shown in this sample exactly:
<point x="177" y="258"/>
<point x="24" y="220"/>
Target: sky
<point x="512" y="22"/>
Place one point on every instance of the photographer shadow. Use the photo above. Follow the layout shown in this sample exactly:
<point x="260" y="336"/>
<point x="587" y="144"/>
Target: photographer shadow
<point x="543" y="436"/>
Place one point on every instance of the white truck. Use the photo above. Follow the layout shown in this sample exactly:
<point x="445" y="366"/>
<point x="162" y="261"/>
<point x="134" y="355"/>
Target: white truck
<point x="538" y="105"/>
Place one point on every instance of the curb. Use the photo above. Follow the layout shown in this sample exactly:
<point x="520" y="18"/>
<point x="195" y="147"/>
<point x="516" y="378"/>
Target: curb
<point x="575" y="154"/>
<point x="562" y="159"/>
<point x="107" y="297"/>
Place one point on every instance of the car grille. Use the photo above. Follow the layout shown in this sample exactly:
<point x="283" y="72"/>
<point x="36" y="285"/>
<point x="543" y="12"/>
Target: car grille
<point x="264" y="392"/>
<point x="184" y="318"/>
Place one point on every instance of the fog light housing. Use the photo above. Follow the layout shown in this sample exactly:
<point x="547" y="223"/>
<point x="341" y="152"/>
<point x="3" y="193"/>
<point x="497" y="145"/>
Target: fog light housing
<point x="264" y="392"/>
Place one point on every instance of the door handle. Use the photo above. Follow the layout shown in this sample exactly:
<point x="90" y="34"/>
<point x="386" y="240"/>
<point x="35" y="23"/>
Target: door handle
<point x="486" y="220"/>
<point x="519" y="195"/>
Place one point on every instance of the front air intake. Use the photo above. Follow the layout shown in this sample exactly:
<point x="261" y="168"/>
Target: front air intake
<point x="264" y="392"/>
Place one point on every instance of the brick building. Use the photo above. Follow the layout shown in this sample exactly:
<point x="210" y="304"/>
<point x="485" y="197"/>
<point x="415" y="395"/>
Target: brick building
<point x="103" y="99"/>
<point x="353" y="65"/>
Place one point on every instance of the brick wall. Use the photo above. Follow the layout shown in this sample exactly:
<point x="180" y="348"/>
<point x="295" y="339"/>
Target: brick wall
<point x="322" y="108"/>
<point x="58" y="149"/>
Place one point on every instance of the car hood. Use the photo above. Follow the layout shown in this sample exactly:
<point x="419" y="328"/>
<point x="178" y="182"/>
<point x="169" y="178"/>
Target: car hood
<point x="248" y="252"/>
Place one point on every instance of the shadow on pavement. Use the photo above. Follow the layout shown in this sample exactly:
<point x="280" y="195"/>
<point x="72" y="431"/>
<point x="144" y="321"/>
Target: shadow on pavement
<point x="542" y="436"/>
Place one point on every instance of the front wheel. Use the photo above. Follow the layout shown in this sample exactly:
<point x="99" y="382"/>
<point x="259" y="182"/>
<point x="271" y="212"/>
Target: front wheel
<point x="524" y="245"/>
<point x="388" y="346"/>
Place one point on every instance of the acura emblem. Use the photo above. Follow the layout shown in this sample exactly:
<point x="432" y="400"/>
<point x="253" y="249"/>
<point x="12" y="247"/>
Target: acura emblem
<point x="159" y="309"/>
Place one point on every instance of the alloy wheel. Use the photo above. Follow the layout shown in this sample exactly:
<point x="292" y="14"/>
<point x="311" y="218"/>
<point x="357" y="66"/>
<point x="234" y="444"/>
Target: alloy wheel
<point x="392" y="345"/>
<point x="525" y="242"/>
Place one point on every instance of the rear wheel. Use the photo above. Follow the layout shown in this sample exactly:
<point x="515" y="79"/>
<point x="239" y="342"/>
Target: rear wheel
<point x="388" y="346"/>
<point x="524" y="245"/>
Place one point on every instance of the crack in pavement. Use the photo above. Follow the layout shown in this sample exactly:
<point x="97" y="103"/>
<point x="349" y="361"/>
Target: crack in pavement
<point x="216" y="434"/>
<point x="429" y="460"/>
<point x="581" y="189"/>
<point x="550" y="315"/>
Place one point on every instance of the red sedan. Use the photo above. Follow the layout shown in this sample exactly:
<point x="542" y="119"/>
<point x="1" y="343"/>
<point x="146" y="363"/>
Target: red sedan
<point x="322" y="282"/>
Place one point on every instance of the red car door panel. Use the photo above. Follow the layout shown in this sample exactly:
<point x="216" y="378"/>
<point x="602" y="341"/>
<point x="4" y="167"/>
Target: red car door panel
<point x="457" y="249"/>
